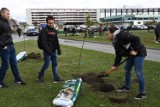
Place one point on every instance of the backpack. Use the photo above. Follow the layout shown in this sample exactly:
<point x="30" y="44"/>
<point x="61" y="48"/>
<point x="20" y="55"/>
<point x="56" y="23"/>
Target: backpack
<point x="39" y="40"/>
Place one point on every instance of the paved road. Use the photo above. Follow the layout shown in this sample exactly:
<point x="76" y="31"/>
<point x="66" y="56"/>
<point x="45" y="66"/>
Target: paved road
<point x="153" y="54"/>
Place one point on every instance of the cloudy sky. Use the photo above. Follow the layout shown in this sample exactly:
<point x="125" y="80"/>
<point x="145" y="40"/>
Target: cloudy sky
<point x="18" y="7"/>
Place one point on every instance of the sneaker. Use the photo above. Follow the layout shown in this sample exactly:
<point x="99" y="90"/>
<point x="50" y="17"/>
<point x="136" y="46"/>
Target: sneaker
<point x="3" y="86"/>
<point x="40" y="79"/>
<point x="58" y="80"/>
<point x="156" y="42"/>
<point x="140" y="96"/>
<point x="20" y="82"/>
<point x="123" y="89"/>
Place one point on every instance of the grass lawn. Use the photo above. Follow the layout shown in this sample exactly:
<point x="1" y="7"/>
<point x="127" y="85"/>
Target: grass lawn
<point x="42" y="95"/>
<point x="146" y="37"/>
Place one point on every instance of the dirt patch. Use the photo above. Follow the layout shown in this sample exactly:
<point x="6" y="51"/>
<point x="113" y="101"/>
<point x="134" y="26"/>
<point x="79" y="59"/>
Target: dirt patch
<point x="33" y="55"/>
<point x="104" y="84"/>
<point x="97" y="84"/>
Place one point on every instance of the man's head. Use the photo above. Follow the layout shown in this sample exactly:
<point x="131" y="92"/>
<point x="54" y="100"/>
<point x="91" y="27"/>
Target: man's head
<point x="112" y="31"/>
<point x="5" y="13"/>
<point x="50" y="21"/>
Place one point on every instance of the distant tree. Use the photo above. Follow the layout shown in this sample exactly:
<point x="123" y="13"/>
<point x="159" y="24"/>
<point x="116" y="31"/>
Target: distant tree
<point x="24" y="25"/>
<point x="107" y="23"/>
<point x="89" y="22"/>
<point x="153" y="22"/>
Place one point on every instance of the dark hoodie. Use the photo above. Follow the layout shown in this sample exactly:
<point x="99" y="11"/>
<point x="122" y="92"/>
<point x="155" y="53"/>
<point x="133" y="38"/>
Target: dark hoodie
<point x="5" y="33"/>
<point x="49" y="40"/>
<point x="157" y="29"/>
<point x="124" y="43"/>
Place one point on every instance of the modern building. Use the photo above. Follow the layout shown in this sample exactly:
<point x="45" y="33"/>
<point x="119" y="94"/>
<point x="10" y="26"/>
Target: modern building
<point x="62" y="16"/>
<point x="130" y="16"/>
<point x="131" y="19"/>
<point x="123" y="15"/>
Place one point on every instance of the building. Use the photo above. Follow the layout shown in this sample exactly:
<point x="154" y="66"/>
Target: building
<point x="130" y="16"/>
<point x="125" y="15"/>
<point x="62" y="16"/>
<point x="131" y="19"/>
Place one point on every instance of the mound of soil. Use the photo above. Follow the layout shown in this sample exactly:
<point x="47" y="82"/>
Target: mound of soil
<point x="34" y="55"/>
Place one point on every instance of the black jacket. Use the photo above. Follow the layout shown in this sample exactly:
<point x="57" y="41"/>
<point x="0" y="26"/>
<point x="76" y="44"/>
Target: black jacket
<point x="49" y="41"/>
<point x="157" y="29"/>
<point x="125" y="43"/>
<point x="5" y="33"/>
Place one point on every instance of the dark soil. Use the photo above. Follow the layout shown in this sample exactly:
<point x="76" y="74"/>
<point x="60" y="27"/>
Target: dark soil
<point x="105" y="85"/>
<point x="97" y="84"/>
<point x="34" y="55"/>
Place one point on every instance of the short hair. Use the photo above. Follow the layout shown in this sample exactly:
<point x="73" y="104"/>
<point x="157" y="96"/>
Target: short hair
<point x="3" y="10"/>
<point x="112" y="28"/>
<point x="49" y="18"/>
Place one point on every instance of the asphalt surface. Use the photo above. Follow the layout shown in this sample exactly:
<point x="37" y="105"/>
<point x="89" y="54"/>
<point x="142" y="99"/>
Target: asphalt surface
<point x="152" y="54"/>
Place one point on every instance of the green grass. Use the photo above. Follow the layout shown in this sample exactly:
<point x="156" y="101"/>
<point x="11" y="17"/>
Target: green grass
<point x="42" y="95"/>
<point x="147" y="38"/>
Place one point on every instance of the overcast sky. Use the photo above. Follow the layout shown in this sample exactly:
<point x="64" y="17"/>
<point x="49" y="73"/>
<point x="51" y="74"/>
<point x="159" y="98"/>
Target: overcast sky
<point x="18" y="7"/>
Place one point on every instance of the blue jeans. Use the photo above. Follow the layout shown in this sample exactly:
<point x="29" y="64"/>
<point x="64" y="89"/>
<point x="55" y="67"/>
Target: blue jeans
<point x="137" y="62"/>
<point x="8" y="56"/>
<point x="47" y="59"/>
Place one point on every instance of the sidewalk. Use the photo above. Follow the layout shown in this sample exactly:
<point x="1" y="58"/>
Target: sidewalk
<point x="152" y="54"/>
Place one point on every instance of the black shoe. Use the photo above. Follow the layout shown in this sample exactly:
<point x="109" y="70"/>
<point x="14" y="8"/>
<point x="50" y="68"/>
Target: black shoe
<point x="20" y="82"/>
<point x="123" y="89"/>
<point x="40" y="79"/>
<point x="3" y="86"/>
<point x="140" y="96"/>
<point x="58" y="80"/>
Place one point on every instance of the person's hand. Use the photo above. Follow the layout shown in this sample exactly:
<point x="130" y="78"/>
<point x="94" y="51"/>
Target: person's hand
<point x="14" y="30"/>
<point x="113" y="68"/>
<point x="133" y="53"/>
<point x="5" y="47"/>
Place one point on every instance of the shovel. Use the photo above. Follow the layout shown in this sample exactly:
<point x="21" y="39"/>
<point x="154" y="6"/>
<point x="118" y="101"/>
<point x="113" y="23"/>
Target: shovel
<point x="110" y="71"/>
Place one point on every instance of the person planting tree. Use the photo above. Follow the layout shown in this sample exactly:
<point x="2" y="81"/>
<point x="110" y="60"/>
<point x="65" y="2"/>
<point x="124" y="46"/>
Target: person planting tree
<point x="130" y="46"/>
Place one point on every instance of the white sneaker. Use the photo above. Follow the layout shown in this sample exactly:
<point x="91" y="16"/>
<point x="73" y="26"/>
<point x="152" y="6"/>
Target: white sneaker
<point x="140" y="96"/>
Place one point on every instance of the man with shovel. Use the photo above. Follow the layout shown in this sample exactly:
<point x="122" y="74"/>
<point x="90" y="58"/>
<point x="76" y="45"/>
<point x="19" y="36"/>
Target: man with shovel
<point x="130" y="46"/>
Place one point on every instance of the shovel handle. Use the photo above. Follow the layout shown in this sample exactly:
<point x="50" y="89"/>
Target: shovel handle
<point x="110" y="71"/>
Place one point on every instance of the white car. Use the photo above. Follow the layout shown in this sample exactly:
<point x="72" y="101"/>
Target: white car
<point x="142" y="27"/>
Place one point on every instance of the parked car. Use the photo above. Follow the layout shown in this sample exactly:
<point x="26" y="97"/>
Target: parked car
<point x="152" y="26"/>
<point x="123" y="27"/>
<point x="94" y="28"/>
<point x="139" y="27"/>
<point x="32" y="32"/>
<point x="142" y="27"/>
<point x="27" y="28"/>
